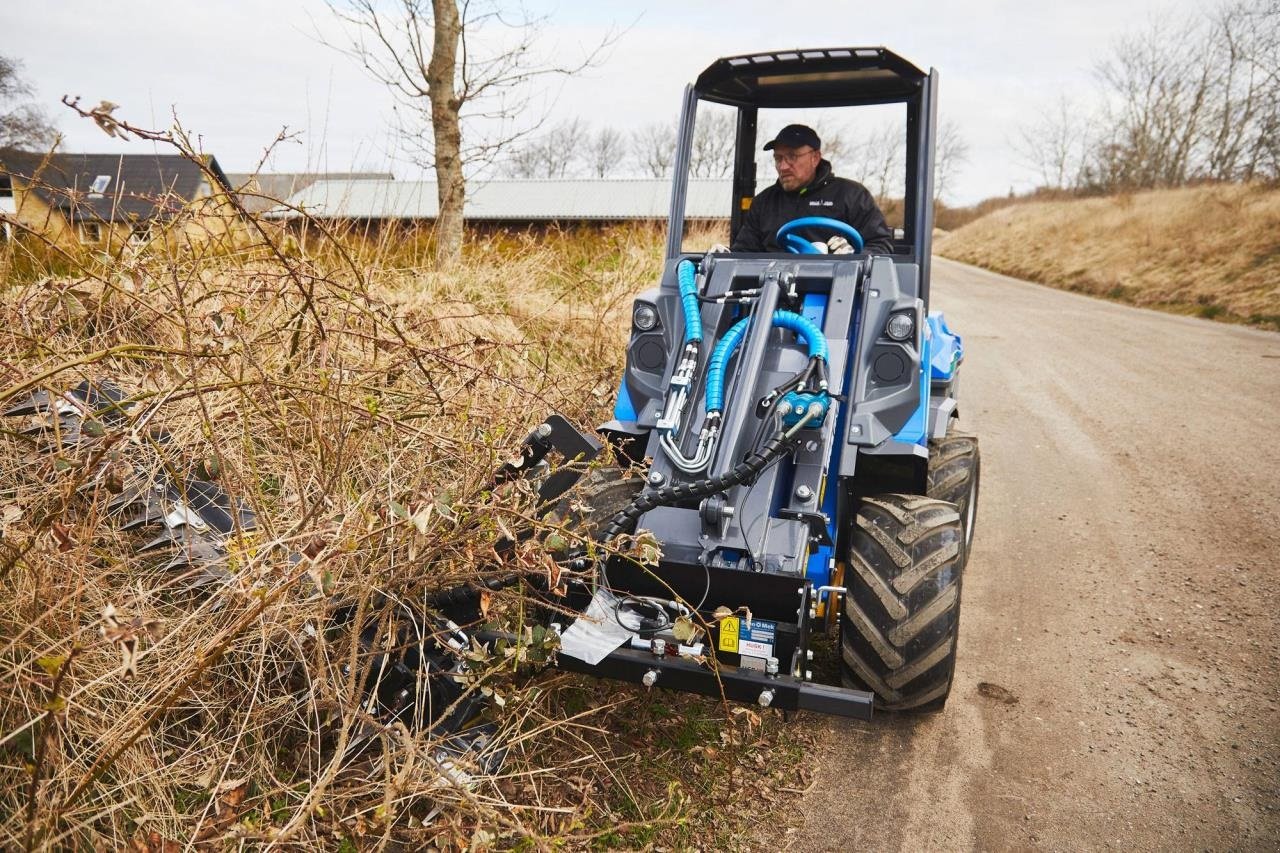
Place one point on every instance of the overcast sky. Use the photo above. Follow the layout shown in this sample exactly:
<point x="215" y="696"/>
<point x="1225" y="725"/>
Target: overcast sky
<point x="236" y="71"/>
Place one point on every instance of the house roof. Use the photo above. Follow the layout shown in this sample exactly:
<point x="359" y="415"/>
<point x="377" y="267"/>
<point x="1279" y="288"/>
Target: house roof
<point x="537" y="200"/>
<point x="258" y="191"/>
<point x="138" y="186"/>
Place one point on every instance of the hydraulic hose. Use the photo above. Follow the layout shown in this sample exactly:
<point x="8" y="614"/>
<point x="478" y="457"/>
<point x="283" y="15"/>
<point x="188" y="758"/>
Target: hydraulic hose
<point x="719" y="359"/>
<point x="685" y="275"/>
<point x="806" y="329"/>
<point x="745" y="471"/>
<point x="802" y="326"/>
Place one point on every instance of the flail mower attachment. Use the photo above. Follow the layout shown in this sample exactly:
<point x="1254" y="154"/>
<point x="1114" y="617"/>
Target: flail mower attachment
<point x="417" y="670"/>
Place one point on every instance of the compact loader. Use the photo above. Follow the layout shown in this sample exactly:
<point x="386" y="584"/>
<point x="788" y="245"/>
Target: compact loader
<point x="792" y="416"/>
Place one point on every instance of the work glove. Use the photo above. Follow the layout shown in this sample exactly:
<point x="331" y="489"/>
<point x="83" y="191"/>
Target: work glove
<point x="838" y="245"/>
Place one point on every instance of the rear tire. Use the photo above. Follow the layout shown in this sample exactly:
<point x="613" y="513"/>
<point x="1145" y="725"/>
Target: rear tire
<point x="901" y="614"/>
<point x="954" y="470"/>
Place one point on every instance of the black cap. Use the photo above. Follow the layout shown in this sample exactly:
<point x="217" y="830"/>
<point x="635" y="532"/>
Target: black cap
<point x="795" y="136"/>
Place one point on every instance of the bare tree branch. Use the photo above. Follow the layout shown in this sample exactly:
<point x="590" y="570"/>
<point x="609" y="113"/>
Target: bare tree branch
<point x="459" y="71"/>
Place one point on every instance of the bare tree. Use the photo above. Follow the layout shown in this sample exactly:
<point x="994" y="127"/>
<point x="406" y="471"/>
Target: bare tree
<point x="836" y="143"/>
<point x="22" y="124"/>
<point x="604" y="151"/>
<point x="1158" y="85"/>
<point x="1056" y="143"/>
<point x="713" y="142"/>
<point x="951" y="152"/>
<point x="875" y="158"/>
<point x="1240" y="139"/>
<point x="653" y="148"/>
<point x="1182" y="100"/>
<point x="552" y="154"/>
<point x="460" y="95"/>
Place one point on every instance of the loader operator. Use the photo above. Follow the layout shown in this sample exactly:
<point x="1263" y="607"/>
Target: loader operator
<point x="807" y="187"/>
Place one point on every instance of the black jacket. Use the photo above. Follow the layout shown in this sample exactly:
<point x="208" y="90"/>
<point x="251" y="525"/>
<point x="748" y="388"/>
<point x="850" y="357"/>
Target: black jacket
<point x="826" y="195"/>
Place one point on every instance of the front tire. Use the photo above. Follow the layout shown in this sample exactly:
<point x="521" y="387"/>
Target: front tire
<point x="901" y="614"/>
<point x="955" y="467"/>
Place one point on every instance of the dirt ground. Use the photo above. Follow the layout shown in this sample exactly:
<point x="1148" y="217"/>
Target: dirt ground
<point x="1119" y="675"/>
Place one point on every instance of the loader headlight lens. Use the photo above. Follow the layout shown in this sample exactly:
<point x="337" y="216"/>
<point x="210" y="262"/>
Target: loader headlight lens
<point x="645" y="317"/>
<point x="900" y="327"/>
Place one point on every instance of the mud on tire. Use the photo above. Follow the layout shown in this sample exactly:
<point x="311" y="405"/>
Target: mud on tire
<point x="902" y="611"/>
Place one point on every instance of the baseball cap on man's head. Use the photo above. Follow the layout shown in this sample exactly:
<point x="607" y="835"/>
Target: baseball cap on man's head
<point x="795" y="136"/>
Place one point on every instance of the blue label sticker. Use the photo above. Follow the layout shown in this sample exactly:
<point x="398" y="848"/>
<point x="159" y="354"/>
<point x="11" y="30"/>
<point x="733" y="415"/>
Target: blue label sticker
<point x="758" y="639"/>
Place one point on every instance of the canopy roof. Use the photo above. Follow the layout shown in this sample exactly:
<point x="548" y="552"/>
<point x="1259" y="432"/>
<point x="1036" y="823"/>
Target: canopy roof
<point x="822" y="77"/>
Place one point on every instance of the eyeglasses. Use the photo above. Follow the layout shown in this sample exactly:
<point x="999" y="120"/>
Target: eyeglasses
<point x="791" y="158"/>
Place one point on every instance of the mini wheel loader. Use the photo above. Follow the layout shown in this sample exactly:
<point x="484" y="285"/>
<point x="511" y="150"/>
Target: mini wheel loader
<point x="792" y="413"/>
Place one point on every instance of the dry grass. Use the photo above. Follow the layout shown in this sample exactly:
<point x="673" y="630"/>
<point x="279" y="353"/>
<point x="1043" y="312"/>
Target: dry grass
<point x="1210" y="250"/>
<point x="336" y="391"/>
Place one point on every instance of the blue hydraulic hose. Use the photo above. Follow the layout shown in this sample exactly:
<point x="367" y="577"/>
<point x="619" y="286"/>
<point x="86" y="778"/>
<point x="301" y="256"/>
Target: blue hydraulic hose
<point x="685" y="272"/>
<point x="719" y="358"/>
<point x="805" y="328"/>
<point x="802" y="326"/>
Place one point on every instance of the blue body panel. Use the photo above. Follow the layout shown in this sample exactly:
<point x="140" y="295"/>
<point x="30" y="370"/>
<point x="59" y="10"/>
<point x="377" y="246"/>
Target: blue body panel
<point x="916" y="429"/>
<point x="946" y="348"/>
<point x="624" y="409"/>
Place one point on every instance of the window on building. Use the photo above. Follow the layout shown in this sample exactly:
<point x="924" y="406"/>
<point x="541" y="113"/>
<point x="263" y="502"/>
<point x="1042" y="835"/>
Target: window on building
<point x="100" y="185"/>
<point x="140" y="233"/>
<point x="6" y="186"/>
<point x="90" y="232"/>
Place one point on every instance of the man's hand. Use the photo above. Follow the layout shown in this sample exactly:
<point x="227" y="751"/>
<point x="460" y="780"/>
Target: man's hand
<point x="838" y="245"/>
<point x="717" y="249"/>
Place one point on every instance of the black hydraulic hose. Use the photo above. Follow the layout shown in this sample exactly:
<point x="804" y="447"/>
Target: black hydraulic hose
<point x="750" y="467"/>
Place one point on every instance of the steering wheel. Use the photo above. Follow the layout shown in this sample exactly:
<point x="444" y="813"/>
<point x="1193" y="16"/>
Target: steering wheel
<point x="796" y="244"/>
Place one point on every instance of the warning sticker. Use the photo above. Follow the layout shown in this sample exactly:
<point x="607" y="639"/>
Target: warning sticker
<point x="756" y="640"/>
<point x="729" y="627"/>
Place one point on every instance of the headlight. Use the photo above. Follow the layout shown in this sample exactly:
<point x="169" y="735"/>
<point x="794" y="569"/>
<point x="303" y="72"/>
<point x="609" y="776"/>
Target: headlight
<point x="900" y="327"/>
<point x="645" y="317"/>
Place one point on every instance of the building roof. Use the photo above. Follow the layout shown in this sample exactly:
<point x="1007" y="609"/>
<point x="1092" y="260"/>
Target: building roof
<point x="259" y="191"/>
<point x="137" y="186"/>
<point x="535" y="200"/>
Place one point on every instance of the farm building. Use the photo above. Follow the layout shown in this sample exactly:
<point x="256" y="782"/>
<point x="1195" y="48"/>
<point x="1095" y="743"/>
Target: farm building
<point x="510" y="203"/>
<point x="110" y="201"/>
<point x="258" y="192"/>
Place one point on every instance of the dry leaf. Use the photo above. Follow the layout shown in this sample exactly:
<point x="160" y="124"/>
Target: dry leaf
<point x="685" y="630"/>
<point x="126" y="636"/>
<point x="62" y="536"/>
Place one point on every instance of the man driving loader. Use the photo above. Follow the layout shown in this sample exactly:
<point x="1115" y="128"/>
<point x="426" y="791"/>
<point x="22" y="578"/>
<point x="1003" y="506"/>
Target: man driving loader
<point x="806" y="186"/>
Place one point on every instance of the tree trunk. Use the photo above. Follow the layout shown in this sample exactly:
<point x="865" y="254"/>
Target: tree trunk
<point x="451" y="191"/>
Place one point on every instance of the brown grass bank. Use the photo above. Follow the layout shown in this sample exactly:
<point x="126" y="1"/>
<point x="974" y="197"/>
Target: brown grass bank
<point x="1212" y="251"/>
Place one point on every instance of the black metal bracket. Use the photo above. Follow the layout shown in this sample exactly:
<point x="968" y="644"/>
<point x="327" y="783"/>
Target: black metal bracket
<point x="817" y="522"/>
<point x="735" y="683"/>
<point x="553" y="434"/>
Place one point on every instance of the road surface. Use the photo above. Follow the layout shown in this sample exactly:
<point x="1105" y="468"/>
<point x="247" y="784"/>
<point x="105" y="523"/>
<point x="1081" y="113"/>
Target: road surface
<point x="1122" y="588"/>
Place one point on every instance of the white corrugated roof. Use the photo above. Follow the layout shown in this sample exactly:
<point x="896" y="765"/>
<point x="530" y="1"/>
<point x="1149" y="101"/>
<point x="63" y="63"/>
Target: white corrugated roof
<point x="636" y="198"/>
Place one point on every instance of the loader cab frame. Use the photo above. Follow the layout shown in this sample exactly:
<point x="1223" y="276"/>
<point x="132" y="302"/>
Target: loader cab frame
<point x="807" y="79"/>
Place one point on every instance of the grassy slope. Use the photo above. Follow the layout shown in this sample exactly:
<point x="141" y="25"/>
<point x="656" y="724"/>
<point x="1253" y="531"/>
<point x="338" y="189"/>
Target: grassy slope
<point x="1211" y="250"/>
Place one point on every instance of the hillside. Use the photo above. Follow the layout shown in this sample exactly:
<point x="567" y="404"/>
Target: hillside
<point x="1213" y="251"/>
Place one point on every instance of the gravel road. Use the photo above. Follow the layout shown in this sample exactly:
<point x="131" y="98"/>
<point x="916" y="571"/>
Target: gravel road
<point x="1119" y="674"/>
